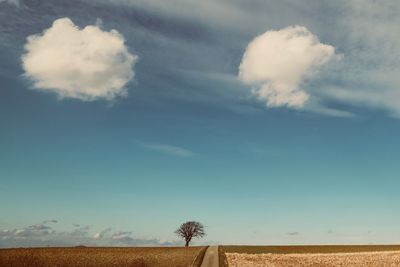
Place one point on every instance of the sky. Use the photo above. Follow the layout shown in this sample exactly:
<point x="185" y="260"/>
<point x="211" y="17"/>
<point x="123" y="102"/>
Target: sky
<point x="270" y="122"/>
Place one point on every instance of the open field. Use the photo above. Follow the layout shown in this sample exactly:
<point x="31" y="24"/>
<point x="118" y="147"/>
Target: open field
<point x="307" y="256"/>
<point x="101" y="257"/>
<point x="307" y="249"/>
<point x="362" y="259"/>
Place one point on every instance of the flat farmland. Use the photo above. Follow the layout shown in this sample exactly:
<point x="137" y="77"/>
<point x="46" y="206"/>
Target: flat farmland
<point x="310" y="256"/>
<point x="102" y="257"/>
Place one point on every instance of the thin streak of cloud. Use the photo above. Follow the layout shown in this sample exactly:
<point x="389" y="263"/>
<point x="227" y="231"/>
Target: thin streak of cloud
<point x="11" y="2"/>
<point x="293" y="233"/>
<point x="50" y="221"/>
<point x="169" y="149"/>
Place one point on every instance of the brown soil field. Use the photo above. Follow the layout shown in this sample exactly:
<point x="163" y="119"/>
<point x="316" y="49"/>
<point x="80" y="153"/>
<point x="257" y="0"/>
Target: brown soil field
<point x="101" y="257"/>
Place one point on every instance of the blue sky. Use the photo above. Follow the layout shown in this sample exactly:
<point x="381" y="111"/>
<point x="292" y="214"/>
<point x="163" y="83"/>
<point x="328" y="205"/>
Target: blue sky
<point x="174" y="129"/>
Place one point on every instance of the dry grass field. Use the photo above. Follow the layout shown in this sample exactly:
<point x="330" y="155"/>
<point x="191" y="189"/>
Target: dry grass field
<point x="309" y="256"/>
<point x="101" y="257"/>
<point x="362" y="259"/>
<point x="308" y="249"/>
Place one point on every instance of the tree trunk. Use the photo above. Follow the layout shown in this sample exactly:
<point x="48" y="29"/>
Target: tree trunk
<point x="187" y="243"/>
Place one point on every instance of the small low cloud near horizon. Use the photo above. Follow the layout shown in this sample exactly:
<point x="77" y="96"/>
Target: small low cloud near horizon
<point x="45" y="234"/>
<point x="293" y="233"/>
<point x="87" y="64"/>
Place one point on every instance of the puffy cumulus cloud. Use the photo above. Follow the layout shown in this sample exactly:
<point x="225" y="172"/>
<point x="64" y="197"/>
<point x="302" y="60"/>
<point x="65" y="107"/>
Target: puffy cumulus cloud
<point x="87" y="64"/>
<point x="277" y="62"/>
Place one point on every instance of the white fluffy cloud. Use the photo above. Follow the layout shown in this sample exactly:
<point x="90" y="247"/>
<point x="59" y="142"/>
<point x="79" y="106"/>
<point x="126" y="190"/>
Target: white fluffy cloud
<point x="277" y="62"/>
<point x="87" y="64"/>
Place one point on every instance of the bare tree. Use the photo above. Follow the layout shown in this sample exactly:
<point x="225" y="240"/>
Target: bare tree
<point x="189" y="230"/>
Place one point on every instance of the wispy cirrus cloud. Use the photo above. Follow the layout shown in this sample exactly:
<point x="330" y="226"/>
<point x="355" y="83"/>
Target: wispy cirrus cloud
<point x="366" y="76"/>
<point x="11" y="2"/>
<point x="169" y="149"/>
